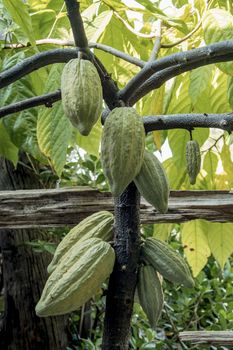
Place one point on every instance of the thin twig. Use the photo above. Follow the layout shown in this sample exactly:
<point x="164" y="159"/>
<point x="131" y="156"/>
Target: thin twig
<point x="55" y="22"/>
<point x="132" y="30"/>
<point x="195" y="29"/>
<point x="47" y="41"/>
<point x="157" y="43"/>
<point x="153" y="35"/>
<point x="214" y="144"/>
<point x="108" y="49"/>
<point x="134" y="60"/>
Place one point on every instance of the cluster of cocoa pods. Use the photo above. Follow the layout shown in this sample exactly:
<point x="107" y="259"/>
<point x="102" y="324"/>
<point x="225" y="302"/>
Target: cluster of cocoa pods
<point x="158" y="260"/>
<point x="84" y="259"/>
<point x="82" y="262"/>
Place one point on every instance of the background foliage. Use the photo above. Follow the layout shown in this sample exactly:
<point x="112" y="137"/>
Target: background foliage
<point x="46" y="135"/>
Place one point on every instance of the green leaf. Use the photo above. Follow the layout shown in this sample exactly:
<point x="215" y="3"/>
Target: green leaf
<point x="42" y="22"/>
<point x="180" y="101"/>
<point x="179" y="3"/>
<point x="21" y="127"/>
<point x="19" y="13"/>
<point x="199" y="88"/>
<point x="7" y="149"/>
<point x="210" y="166"/>
<point x="218" y="26"/>
<point x="91" y="143"/>
<point x="195" y="243"/>
<point x="152" y="104"/>
<point x="227" y="167"/>
<point x="22" y="131"/>
<point x="95" y="28"/>
<point x="54" y="128"/>
<point x="53" y="133"/>
<point x="162" y="231"/>
<point x="220" y="238"/>
<point x="218" y="99"/>
<point x="177" y="142"/>
<point x="117" y="36"/>
<point x="177" y="177"/>
<point x="230" y="91"/>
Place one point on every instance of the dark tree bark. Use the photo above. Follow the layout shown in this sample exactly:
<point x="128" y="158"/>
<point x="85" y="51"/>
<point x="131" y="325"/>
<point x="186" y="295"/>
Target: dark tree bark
<point x="122" y="284"/>
<point x="24" y="273"/>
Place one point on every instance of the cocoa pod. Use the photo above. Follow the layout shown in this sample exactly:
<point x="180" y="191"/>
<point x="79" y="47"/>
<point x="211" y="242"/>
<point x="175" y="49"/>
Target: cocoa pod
<point x="152" y="182"/>
<point x="81" y="93"/>
<point x="150" y="293"/>
<point x="78" y="276"/>
<point x="122" y="147"/>
<point x="166" y="261"/>
<point x="193" y="160"/>
<point x="97" y="225"/>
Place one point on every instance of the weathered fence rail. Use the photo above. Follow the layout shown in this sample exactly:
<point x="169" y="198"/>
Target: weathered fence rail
<point x="68" y="206"/>
<point x="223" y="338"/>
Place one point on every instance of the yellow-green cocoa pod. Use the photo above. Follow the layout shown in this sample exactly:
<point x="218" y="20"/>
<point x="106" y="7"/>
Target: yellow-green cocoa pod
<point x="193" y="160"/>
<point x="150" y="293"/>
<point x="97" y="225"/>
<point x="81" y="93"/>
<point x="166" y="261"/>
<point x="122" y="147"/>
<point x="76" y="278"/>
<point x="152" y="182"/>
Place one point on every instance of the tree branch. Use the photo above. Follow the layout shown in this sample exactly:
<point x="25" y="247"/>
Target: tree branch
<point x="218" y="52"/>
<point x="57" y="56"/>
<point x="184" y="38"/>
<point x="157" y="43"/>
<point x="76" y="23"/>
<point x="159" y="78"/>
<point x="124" y="56"/>
<point x="110" y="88"/>
<point x="50" y="41"/>
<point x="160" y="122"/>
<point x="46" y="100"/>
<point x="189" y="121"/>
<point x="35" y="62"/>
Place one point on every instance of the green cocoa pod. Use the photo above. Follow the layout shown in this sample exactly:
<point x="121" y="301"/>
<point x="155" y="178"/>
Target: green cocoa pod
<point x="98" y="225"/>
<point x="152" y="182"/>
<point x="166" y="261"/>
<point x="150" y="293"/>
<point x="77" y="277"/>
<point x="122" y="147"/>
<point x="193" y="159"/>
<point x="81" y="93"/>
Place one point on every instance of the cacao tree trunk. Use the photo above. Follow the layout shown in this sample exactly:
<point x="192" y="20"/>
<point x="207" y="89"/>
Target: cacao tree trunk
<point x="122" y="284"/>
<point x="24" y="274"/>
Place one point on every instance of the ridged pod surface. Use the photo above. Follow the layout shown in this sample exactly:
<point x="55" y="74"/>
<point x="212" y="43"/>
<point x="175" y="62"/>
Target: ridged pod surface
<point x="166" y="261"/>
<point x="193" y="160"/>
<point x="98" y="225"/>
<point x="77" y="277"/>
<point x="122" y="147"/>
<point x="150" y="293"/>
<point x="81" y="92"/>
<point x="152" y="182"/>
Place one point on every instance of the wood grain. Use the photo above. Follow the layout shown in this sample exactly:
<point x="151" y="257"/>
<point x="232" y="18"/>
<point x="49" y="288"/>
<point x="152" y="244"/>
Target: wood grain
<point x="68" y="206"/>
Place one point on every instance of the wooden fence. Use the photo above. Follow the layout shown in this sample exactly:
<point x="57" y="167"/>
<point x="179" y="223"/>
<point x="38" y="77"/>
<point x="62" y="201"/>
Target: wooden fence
<point x="68" y="206"/>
